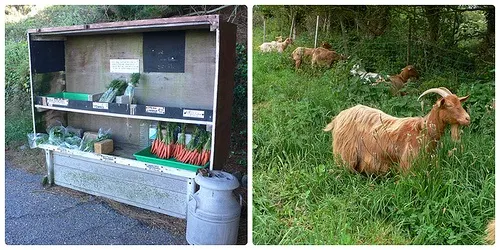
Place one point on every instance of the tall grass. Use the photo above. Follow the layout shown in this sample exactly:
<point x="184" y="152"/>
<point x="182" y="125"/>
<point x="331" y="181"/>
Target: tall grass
<point x="301" y="197"/>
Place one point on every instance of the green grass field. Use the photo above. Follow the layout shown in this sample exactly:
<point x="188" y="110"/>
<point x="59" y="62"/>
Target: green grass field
<point x="301" y="197"/>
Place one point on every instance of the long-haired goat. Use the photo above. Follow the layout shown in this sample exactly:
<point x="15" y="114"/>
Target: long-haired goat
<point x="275" y="46"/>
<point x="369" y="140"/>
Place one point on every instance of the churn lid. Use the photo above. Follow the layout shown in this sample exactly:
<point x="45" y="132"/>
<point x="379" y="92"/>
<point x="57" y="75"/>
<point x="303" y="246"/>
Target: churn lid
<point x="217" y="180"/>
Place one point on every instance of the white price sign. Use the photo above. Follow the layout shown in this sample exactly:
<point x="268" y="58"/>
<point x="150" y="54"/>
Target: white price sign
<point x="155" y="110"/>
<point x="57" y="101"/>
<point x="124" y="65"/>
<point x="193" y="113"/>
<point x="100" y="105"/>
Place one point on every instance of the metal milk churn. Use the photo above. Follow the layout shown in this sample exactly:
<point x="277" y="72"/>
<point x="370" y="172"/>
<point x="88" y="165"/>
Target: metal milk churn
<point x="213" y="212"/>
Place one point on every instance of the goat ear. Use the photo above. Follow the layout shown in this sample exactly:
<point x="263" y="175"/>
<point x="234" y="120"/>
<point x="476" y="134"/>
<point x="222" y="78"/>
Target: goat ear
<point x="441" y="102"/>
<point x="463" y="99"/>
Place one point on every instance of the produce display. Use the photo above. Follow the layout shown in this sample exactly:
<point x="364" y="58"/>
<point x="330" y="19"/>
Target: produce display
<point x="66" y="137"/>
<point x="195" y="152"/>
<point x="87" y="143"/>
<point x="134" y="81"/>
<point x="116" y="87"/>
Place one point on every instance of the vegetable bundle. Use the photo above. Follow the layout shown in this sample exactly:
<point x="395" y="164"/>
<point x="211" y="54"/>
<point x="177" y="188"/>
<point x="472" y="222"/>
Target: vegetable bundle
<point x="196" y="151"/>
<point x="116" y="87"/>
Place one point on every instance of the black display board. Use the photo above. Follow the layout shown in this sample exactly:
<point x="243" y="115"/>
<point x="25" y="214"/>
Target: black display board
<point x="164" y="51"/>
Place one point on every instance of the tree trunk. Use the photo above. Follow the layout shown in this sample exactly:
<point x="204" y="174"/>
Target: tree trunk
<point x="490" y="28"/>
<point x="408" y="48"/>
<point x="433" y="16"/>
<point x="344" y="34"/>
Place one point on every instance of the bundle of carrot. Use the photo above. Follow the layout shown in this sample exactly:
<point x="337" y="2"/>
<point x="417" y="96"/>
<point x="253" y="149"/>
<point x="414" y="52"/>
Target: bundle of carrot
<point x="168" y="142"/>
<point x="155" y="147"/>
<point x="188" y="151"/>
<point x="164" y="144"/>
<point x="197" y="151"/>
<point x="205" y="153"/>
<point x="181" y="143"/>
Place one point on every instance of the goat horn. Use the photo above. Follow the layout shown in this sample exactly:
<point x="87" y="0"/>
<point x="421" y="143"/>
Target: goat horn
<point x="447" y="91"/>
<point x="439" y="91"/>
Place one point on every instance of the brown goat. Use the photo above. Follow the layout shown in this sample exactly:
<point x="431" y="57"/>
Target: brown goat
<point x="325" y="57"/>
<point x="326" y="45"/>
<point x="302" y="53"/>
<point x="369" y="140"/>
<point x="398" y="81"/>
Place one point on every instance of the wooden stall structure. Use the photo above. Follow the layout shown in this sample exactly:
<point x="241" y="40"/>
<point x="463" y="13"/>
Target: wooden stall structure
<point x="186" y="66"/>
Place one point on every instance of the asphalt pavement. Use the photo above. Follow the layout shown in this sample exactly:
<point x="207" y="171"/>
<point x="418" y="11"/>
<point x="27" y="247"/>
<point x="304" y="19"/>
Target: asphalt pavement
<point x="37" y="216"/>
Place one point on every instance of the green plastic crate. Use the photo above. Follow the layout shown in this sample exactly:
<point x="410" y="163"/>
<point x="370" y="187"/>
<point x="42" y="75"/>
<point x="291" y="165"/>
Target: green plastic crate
<point x="72" y="96"/>
<point x="145" y="155"/>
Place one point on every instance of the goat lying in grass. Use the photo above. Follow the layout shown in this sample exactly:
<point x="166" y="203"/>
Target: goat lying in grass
<point x="369" y="140"/>
<point x="367" y="77"/>
<point x="275" y="46"/>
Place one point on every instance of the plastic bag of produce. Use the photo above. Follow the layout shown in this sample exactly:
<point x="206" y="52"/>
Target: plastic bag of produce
<point x="87" y="143"/>
<point x="34" y="140"/>
<point x="57" y="135"/>
<point x="103" y="134"/>
<point x="74" y="131"/>
<point x="72" y="142"/>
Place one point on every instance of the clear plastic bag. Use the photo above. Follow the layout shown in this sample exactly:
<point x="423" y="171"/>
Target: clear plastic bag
<point x="87" y="143"/>
<point x="34" y="140"/>
<point x="57" y="135"/>
<point x="74" y="131"/>
<point x="103" y="134"/>
<point x="72" y="142"/>
<point x="129" y="91"/>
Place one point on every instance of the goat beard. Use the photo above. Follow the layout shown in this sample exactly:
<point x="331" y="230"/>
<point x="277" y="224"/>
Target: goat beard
<point x="455" y="133"/>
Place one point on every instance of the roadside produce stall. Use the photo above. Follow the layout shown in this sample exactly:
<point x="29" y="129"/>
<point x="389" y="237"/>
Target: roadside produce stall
<point x="132" y="110"/>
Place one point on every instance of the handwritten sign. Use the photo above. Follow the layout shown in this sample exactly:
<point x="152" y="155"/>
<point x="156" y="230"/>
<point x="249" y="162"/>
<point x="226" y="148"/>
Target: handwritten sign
<point x="155" y="110"/>
<point x="124" y="65"/>
<point x="100" y="105"/>
<point x="193" y="113"/>
<point x="57" y="101"/>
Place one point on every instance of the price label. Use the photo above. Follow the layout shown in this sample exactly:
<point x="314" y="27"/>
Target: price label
<point x="100" y="105"/>
<point x="193" y="113"/>
<point x="155" y="110"/>
<point x="57" y="101"/>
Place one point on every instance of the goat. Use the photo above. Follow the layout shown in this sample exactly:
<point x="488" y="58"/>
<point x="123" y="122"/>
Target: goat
<point x="275" y="46"/>
<point x="366" y="77"/>
<point x="279" y="39"/>
<point x="399" y="81"/>
<point x="369" y="140"/>
<point x="303" y="53"/>
<point x="325" y="57"/>
<point x="490" y="232"/>
<point x="326" y="45"/>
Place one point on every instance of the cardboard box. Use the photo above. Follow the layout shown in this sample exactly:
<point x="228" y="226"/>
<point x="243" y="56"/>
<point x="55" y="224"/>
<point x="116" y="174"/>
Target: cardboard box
<point x="104" y="147"/>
